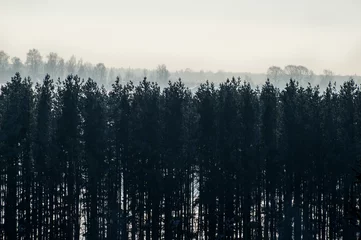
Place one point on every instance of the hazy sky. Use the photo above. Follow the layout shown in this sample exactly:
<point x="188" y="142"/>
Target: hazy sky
<point x="231" y="35"/>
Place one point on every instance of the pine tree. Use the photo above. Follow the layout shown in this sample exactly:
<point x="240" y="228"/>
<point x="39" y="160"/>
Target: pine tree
<point x="205" y="100"/>
<point x="228" y="162"/>
<point x="269" y="149"/>
<point x="42" y="155"/>
<point x="94" y="137"/>
<point x="68" y="145"/>
<point x="17" y="104"/>
<point x="119" y="164"/>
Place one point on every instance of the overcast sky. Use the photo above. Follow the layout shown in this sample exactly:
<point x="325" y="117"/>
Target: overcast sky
<point x="230" y="35"/>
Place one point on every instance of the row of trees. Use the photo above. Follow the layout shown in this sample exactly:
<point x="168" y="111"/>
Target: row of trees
<point x="36" y="65"/>
<point x="300" y="73"/>
<point x="228" y="162"/>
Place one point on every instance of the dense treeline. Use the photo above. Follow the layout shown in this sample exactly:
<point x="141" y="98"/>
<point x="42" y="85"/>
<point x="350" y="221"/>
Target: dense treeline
<point x="138" y="162"/>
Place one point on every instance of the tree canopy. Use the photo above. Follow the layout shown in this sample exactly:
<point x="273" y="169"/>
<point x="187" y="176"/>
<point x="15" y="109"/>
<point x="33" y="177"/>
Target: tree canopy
<point x="228" y="161"/>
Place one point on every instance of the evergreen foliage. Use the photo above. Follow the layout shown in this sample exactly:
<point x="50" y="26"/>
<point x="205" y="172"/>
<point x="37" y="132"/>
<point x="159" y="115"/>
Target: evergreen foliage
<point x="138" y="162"/>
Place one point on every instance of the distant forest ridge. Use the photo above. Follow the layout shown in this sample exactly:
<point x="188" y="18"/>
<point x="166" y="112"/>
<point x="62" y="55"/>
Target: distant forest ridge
<point x="37" y="66"/>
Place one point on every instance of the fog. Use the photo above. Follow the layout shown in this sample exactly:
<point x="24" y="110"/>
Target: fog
<point x="232" y="36"/>
<point x="36" y="65"/>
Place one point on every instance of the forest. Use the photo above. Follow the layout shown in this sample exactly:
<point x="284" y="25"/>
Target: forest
<point x="139" y="162"/>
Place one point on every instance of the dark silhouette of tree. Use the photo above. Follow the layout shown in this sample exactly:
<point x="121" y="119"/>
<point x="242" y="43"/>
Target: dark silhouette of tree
<point x="69" y="154"/>
<point x="42" y="156"/>
<point x="270" y="156"/>
<point x="205" y="100"/>
<point x="17" y="105"/>
<point x="227" y="162"/>
<point x="95" y="148"/>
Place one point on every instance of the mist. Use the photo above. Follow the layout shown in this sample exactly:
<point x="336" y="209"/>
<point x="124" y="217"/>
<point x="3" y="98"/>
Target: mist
<point x="37" y="66"/>
<point x="186" y="120"/>
<point x="235" y="36"/>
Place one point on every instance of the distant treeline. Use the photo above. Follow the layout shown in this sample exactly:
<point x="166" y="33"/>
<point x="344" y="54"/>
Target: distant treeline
<point x="37" y="66"/>
<point x="138" y="162"/>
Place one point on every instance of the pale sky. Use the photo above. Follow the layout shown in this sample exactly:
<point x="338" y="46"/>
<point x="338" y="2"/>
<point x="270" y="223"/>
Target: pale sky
<point x="229" y="35"/>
